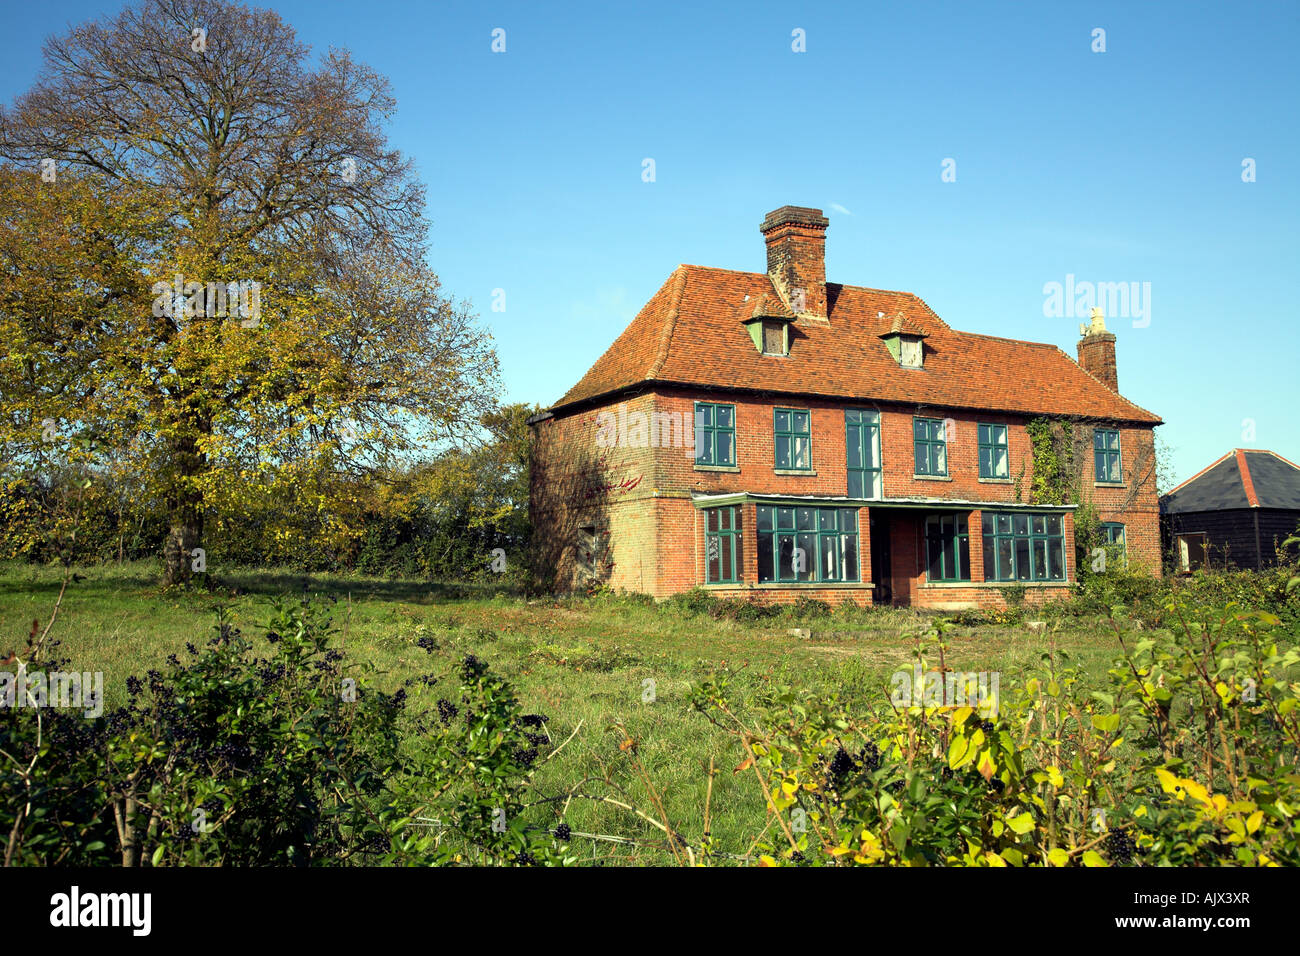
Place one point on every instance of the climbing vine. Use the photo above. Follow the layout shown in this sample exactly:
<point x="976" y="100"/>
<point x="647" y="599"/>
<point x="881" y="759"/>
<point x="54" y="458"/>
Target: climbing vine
<point x="1054" y="475"/>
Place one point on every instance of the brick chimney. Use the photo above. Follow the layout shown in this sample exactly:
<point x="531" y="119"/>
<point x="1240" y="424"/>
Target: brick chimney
<point x="796" y="258"/>
<point x="1097" y="350"/>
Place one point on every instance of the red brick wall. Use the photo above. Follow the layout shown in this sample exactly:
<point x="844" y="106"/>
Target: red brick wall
<point x="655" y="540"/>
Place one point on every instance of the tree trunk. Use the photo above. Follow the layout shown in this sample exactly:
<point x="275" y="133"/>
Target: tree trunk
<point x="185" y="514"/>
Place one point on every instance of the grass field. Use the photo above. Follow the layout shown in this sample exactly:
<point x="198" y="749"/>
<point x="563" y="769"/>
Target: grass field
<point x="584" y="663"/>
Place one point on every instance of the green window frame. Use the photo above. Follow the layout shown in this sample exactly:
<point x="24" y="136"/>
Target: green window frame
<point x="947" y="548"/>
<point x="792" y="438"/>
<point x="1114" y="538"/>
<point x="994" y="456"/>
<point x="1106" y="456"/>
<point x="862" y="453"/>
<point x="715" y="434"/>
<point x="930" y="447"/>
<point x="724" y="553"/>
<point x="799" y="544"/>
<point x="1020" y="546"/>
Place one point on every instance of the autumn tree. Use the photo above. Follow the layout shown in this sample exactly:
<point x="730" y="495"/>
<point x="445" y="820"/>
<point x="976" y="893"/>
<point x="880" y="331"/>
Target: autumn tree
<point x="213" y="258"/>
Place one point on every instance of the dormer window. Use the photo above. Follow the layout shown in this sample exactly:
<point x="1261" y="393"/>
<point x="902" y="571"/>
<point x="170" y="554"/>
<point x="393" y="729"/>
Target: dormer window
<point x="767" y="320"/>
<point x="905" y="341"/>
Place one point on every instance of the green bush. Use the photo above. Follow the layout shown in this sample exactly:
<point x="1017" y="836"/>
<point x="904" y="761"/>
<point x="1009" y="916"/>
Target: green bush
<point x="237" y="759"/>
<point x="1188" y="757"/>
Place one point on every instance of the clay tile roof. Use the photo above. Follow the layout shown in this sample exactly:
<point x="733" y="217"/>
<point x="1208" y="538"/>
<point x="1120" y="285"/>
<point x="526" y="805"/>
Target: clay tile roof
<point x="688" y="334"/>
<point x="1243" y="478"/>
<point x="904" y="325"/>
<point x="765" y="306"/>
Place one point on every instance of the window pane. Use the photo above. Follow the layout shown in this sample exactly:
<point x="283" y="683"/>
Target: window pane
<point x="1112" y="440"/>
<point x="963" y="569"/>
<point x="727" y="574"/>
<point x="765" y="569"/>
<point x="764" y="517"/>
<point x="871" y="446"/>
<point x="857" y="483"/>
<point x="852" y="416"/>
<point x="940" y="459"/>
<point x="1053" y="524"/>
<point x="1000" y="463"/>
<point x="1099" y="439"/>
<point x="875" y="491"/>
<point x="1020" y="523"/>
<point x="826" y="519"/>
<point x="949" y="545"/>
<point x="726" y="453"/>
<point x="714" y="559"/>
<point x="918" y="429"/>
<point x="1005" y="565"/>
<point x="1000" y="434"/>
<point x="782" y="452"/>
<point x="725" y="517"/>
<point x="934" y="554"/>
<point x="724" y="415"/>
<point x="922" y="460"/>
<point x="800" y="455"/>
<point x="855" y="448"/>
<point x="703" y="446"/>
<point x="1056" y="560"/>
<point x="830" y="546"/>
<point x="807" y="518"/>
<point x="782" y="421"/>
<point x="703" y="416"/>
<point x="1039" y="524"/>
<point x="801" y="421"/>
<point x="986" y="462"/>
<point x="850" y="557"/>
<point x="785" y="517"/>
<point x="1040" y="561"/>
<point x="985" y="437"/>
<point x="1022" y="559"/>
<point x="711" y="519"/>
<point x="785" y="552"/>
<point x="848" y="519"/>
<point x="990" y="560"/>
<point x="986" y="523"/>
<point x="807" y="543"/>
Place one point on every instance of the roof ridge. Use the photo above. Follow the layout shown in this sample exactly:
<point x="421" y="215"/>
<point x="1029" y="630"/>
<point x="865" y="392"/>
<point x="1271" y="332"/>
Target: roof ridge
<point x="1247" y="482"/>
<point x="1218" y="461"/>
<point x="670" y="323"/>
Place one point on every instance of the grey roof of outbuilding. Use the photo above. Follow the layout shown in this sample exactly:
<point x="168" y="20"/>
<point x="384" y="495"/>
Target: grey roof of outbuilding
<point x="1243" y="478"/>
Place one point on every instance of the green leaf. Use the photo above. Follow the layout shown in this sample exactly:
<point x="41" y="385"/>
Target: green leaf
<point x="1058" y="857"/>
<point x="1021" y="824"/>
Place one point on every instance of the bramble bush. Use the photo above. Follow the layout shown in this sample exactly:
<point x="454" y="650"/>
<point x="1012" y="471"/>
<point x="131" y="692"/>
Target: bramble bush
<point x="1187" y="757"/>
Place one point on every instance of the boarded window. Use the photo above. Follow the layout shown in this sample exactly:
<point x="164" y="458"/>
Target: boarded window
<point x="773" y="338"/>
<point x="910" y="354"/>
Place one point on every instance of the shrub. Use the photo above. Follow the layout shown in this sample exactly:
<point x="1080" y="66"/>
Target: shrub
<point x="1188" y="757"/>
<point x="232" y="758"/>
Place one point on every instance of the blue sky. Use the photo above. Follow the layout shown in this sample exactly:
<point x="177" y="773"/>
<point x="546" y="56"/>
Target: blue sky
<point x="1122" y="166"/>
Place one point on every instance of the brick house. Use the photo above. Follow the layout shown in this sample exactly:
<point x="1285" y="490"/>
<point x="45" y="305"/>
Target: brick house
<point x="773" y="435"/>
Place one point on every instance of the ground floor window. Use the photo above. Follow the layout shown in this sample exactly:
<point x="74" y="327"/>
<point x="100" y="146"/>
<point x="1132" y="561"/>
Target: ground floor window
<point x="1023" y="547"/>
<point x="1112" y="536"/>
<point x="805" y="544"/>
<point x="947" y="548"/>
<point x="723" y="551"/>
